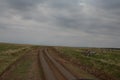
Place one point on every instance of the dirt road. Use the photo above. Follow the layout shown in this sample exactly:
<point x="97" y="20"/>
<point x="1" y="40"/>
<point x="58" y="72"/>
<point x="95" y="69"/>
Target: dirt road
<point x="52" y="69"/>
<point x="39" y="64"/>
<point x="25" y="68"/>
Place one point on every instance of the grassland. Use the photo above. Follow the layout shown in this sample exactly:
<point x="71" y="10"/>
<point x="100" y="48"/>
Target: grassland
<point x="104" y="64"/>
<point x="21" y="69"/>
<point x="10" y="53"/>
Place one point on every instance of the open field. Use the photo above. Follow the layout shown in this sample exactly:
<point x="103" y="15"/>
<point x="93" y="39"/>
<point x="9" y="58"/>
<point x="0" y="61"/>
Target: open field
<point x="28" y="62"/>
<point x="104" y="64"/>
<point x="10" y="53"/>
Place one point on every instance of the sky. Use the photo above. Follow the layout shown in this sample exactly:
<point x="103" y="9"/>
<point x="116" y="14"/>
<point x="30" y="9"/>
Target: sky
<point x="80" y="23"/>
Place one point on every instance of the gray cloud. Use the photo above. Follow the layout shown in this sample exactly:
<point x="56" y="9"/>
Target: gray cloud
<point x="113" y="6"/>
<point x="94" y="23"/>
<point x="22" y="4"/>
<point x="109" y="4"/>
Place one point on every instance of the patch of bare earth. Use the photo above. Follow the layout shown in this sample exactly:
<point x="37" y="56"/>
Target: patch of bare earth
<point x="34" y="71"/>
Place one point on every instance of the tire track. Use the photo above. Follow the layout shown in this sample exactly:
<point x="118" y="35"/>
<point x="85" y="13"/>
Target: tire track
<point x="47" y="71"/>
<point x="11" y="67"/>
<point x="24" y="68"/>
<point x="52" y="69"/>
<point x="55" y="70"/>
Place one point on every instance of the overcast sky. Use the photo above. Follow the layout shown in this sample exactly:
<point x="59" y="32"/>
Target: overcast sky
<point x="84" y="23"/>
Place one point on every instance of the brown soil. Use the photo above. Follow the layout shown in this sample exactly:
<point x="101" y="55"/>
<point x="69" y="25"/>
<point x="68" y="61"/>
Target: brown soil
<point x="65" y="72"/>
<point x="57" y="73"/>
<point x="34" y="71"/>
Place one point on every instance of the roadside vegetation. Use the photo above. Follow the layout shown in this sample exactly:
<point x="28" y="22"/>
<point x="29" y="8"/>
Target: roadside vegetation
<point x="10" y="53"/>
<point x="104" y="64"/>
<point x="21" y="69"/>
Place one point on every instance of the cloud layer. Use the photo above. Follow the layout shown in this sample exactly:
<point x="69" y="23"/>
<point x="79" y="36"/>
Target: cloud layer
<point x="90" y="23"/>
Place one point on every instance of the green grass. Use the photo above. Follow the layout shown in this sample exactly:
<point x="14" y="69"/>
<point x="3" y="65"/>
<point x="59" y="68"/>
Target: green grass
<point x="107" y="62"/>
<point x="10" y="53"/>
<point x="21" y="69"/>
<point x="112" y="58"/>
<point x="6" y="46"/>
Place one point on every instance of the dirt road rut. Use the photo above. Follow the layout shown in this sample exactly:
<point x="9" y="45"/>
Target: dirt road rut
<point x="52" y="69"/>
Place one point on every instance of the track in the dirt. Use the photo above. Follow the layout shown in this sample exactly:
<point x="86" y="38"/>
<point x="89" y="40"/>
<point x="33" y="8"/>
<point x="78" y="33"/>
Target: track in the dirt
<point x="11" y="67"/>
<point x="32" y="71"/>
<point x="52" y="69"/>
